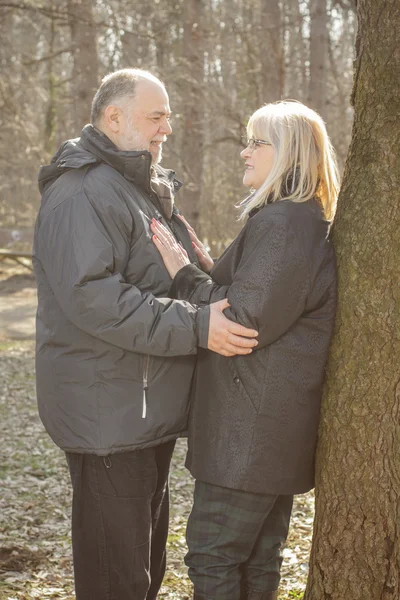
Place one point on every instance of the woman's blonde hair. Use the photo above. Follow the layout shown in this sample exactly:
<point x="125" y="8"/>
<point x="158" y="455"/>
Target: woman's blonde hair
<point x="304" y="159"/>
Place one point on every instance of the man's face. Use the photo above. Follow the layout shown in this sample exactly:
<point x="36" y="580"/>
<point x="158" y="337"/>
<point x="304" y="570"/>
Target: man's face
<point x="146" y="120"/>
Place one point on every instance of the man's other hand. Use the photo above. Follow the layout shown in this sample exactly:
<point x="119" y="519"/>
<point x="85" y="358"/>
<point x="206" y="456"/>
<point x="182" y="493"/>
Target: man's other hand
<point x="227" y="337"/>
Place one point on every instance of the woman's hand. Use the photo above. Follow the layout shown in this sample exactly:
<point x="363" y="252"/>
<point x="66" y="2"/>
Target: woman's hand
<point x="173" y="254"/>
<point x="205" y="260"/>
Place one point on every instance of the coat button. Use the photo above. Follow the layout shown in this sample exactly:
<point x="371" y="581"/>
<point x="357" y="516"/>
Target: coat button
<point x="236" y="380"/>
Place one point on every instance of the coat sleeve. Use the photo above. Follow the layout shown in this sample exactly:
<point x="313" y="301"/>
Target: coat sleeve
<point x="271" y="283"/>
<point x="78" y="245"/>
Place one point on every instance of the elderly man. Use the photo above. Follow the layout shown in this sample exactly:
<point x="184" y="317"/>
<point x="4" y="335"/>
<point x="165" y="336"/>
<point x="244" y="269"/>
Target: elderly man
<point x="115" y="356"/>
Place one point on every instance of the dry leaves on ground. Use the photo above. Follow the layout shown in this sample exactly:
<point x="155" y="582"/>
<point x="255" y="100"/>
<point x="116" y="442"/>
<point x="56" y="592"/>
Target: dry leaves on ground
<point x="35" y="504"/>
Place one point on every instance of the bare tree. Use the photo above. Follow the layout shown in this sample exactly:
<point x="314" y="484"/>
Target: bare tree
<point x="272" y="61"/>
<point x="84" y="73"/>
<point x="192" y="87"/>
<point x="318" y="56"/>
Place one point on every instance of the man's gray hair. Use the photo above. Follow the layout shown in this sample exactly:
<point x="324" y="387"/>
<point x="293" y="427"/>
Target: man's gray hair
<point x="116" y="87"/>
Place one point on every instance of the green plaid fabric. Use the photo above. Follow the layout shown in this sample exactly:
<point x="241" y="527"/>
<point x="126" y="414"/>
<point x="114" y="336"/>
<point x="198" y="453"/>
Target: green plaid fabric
<point x="234" y="540"/>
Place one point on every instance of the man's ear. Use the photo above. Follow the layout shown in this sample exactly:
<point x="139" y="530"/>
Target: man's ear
<point x="113" y="118"/>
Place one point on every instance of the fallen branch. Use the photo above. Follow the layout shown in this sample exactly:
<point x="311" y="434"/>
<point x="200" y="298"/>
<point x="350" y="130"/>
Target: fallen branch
<point x="18" y="257"/>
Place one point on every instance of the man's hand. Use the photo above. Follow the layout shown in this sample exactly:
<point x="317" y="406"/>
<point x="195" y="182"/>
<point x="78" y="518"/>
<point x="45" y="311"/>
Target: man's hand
<point x="227" y="337"/>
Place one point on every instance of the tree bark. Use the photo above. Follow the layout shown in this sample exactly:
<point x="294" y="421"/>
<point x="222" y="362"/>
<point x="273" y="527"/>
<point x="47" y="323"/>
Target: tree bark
<point x="356" y="545"/>
<point x="84" y="73"/>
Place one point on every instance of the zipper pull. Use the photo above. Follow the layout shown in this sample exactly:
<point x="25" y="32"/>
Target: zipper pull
<point x="144" y="405"/>
<point x="145" y="387"/>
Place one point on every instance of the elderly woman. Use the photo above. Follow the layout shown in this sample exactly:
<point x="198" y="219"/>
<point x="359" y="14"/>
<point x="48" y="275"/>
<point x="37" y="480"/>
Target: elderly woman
<point x="254" y="419"/>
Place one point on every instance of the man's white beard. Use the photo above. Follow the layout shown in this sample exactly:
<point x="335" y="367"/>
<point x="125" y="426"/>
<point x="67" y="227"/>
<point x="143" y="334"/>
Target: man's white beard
<point x="156" y="155"/>
<point x="134" y="141"/>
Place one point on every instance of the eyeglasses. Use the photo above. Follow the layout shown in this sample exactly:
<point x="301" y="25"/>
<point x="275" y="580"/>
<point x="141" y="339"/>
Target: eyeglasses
<point x="253" y="144"/>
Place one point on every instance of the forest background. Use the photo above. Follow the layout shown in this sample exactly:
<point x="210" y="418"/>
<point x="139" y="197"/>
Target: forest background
<point x="220" y="61"/>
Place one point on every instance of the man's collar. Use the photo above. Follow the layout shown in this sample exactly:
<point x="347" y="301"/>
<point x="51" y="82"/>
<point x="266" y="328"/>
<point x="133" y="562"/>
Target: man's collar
<point x="134" y="165"/>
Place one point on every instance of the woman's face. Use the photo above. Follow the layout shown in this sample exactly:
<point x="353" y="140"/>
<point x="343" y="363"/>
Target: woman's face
<point x="259" y="157"/>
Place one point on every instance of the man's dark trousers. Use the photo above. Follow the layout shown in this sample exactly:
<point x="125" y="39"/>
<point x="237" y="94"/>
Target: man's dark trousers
<point x="120" y="523"/>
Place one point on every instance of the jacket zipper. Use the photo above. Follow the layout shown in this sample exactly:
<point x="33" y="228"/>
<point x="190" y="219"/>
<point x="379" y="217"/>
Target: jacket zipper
<point x="145" y="386"/>
<point x="160" y="215"/>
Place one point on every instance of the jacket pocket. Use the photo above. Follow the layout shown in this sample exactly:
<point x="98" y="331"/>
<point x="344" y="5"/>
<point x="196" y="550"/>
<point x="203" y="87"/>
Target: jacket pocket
<point x="239" y="385"/>
<point x="118" y="364"/>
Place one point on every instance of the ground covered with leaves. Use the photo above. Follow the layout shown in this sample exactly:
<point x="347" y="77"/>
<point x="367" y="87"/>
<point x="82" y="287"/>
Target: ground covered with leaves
<point x="35" y="502"/>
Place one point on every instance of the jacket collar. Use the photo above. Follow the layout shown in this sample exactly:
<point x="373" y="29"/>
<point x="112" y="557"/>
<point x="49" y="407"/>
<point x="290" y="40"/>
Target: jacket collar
<point x="95" y="147"/>
<point x="135" y="166"/>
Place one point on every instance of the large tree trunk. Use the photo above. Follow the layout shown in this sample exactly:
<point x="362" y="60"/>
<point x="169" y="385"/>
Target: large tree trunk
<point x="356" y="545"/>
<point x="84" y="74"/>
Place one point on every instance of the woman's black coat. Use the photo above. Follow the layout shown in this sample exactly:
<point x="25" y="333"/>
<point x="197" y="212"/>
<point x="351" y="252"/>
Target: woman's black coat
<point x="254" y="418"/>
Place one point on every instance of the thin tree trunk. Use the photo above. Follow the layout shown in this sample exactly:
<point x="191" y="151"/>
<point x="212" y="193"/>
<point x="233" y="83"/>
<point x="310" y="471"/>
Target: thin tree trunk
<point x="296" y="48"/>
<point x="356" y="546"/>
<point x="271" y="52"/>
<point x="318" y="56"/>
<point x="193" y="94"/>
<point x="50" y="118"/>
<point x="84" y="74"/>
